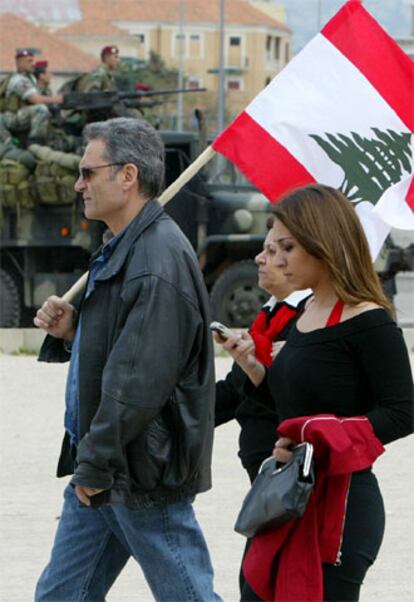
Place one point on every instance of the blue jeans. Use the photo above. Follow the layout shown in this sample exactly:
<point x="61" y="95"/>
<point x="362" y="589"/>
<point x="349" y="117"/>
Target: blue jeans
<point x="92" y="547"/>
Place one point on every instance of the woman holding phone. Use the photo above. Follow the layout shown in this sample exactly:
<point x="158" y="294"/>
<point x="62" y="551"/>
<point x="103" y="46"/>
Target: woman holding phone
<point x="344" y="357"/>
<point x="258" y="420"/>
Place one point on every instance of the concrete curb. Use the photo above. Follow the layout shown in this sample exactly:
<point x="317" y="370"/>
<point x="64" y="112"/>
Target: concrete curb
<point x="20" y="340"/>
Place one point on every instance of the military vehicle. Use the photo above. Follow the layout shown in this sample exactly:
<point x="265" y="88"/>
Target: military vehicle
<point x="46" y="243"/>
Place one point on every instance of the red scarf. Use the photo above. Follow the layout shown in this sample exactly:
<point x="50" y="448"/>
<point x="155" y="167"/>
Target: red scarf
<point x="265" y="331"/>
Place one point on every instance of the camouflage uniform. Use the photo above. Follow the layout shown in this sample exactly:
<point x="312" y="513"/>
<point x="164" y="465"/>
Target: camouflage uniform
<point x="99" y="80"/>
<point x="5" y="135"/>
<point x="21" y="115"/>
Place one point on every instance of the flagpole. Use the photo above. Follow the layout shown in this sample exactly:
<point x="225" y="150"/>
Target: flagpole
<point x="187" y="174"/>
<point x="166" y="196"/>
<point x="220" y="108"/>
<point x="76" y="288"/>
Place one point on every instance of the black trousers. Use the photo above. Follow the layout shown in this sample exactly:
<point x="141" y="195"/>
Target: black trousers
<point x="362" y="538"/>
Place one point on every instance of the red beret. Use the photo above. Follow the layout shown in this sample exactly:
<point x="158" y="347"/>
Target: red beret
<point x="142" y="87"/>
<point x="23" y="52"/>
<point x="40" y="65"/>
<point x="109" y="50"/>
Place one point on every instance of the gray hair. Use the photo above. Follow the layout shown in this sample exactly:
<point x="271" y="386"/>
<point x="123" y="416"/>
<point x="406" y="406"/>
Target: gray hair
<point x="132" y="141"/>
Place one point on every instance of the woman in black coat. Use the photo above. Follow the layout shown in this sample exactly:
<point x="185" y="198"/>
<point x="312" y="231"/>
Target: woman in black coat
<point x="258" y="421"/>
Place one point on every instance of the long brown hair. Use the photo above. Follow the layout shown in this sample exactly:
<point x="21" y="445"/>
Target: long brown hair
<point x="325" y="223"/>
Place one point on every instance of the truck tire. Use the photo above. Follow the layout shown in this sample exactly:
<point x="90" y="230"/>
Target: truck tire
<point x="10" y="306"/>
<point x="235" y="297"/>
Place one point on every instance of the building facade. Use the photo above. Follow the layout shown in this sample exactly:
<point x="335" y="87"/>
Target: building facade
<point x="256" y="45"/>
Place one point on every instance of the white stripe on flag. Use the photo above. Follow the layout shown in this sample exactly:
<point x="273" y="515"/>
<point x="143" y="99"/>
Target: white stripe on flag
<point x="376" y="230"/>
<point x="393" y="208"/>
<point x="321" y="91"/>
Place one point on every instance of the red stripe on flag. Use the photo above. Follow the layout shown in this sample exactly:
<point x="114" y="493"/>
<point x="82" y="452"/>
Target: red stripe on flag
<point x="363" y="41"/>
<point x="266" y="163"/>
<point x="409" y="197"/>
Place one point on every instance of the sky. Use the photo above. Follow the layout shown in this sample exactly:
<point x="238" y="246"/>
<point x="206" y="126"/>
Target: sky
<point x="302" y="16"/>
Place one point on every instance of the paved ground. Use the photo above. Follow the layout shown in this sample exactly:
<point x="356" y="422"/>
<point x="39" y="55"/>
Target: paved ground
<point x="30" y="431"/>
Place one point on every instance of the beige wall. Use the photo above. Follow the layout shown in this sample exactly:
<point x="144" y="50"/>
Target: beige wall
<point x="250" y="58"/>
<point x="93" y="44"/>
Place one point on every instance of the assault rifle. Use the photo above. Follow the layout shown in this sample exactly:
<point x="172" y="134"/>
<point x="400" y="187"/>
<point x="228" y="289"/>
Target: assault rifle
<point x="92" y="101"/>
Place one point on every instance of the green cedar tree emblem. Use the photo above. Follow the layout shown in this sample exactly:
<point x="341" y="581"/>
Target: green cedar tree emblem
<point x="370" y="165"/>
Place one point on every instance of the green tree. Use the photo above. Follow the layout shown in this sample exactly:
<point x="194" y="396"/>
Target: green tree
<point x="157" y="76"/>
<point x="370" y="165"/>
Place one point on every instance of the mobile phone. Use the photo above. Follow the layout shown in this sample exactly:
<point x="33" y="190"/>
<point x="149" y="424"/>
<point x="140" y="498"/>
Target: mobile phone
<point x="222" y="330"/>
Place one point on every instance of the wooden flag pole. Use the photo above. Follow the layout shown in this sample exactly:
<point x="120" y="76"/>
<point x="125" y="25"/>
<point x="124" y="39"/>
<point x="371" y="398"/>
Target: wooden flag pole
<point x="76" y="288"/>
<point x="166" y="196"/>
<point x="207" y="154"/>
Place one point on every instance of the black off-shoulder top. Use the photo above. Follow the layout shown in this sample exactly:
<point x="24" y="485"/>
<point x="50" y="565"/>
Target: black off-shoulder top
<point x="357" y="367"/>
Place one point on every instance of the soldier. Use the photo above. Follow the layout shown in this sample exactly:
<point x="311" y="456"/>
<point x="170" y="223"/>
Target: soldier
<point x="43" y="77"/>
<point x="102" y="79"/>
<point x="25" y="107"/>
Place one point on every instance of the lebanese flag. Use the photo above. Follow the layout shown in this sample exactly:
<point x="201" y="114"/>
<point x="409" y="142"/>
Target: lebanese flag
<point x="340" y="113"/>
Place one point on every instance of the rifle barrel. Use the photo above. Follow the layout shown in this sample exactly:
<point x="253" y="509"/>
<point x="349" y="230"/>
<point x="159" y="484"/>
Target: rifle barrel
<point x="144" y="93"/>
<point x="79" y="101"/>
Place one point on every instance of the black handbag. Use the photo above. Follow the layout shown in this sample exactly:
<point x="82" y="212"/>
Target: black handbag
<point x="278" y="494"/>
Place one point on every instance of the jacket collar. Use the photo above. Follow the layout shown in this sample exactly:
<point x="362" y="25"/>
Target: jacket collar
<point x="148" y="214"/>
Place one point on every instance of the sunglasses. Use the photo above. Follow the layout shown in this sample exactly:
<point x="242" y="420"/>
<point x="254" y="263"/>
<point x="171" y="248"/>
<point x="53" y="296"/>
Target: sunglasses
<point x="86" y="172"/>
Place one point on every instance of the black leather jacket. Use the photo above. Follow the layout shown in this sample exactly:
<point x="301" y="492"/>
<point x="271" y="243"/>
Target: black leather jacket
<point x="146" y="376"/>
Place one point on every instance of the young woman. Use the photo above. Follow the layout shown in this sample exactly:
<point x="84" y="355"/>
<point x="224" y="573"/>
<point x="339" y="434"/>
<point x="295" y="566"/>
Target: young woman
<point x="344" y="357"/>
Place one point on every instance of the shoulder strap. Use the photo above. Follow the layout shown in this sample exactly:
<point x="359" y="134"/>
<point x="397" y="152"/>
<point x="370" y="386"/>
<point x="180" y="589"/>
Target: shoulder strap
<point x="336" y="313"/>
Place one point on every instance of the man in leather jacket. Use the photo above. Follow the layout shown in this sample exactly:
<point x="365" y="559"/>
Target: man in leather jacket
<point x="140" y="388"/>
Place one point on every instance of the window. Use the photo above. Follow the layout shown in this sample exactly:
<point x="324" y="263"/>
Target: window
<point x="192" y="45"/>
<point x="194" y="82"/>
<point x="142" y="46"/>
<point x="233" y="84"/>
<point x="287" y="53"/>
<point x="234" y="54"/>
<point x="268" y="43"/>
<point x="194" y="50"/>
<point x="277" y="49"/>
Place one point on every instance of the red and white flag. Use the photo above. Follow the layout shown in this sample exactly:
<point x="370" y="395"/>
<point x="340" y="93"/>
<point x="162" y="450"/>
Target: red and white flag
<point x="340" y="113"/>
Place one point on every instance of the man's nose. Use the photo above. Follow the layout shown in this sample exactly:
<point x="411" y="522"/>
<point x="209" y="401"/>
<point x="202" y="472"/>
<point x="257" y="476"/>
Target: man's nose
<point x="80" y="184"/>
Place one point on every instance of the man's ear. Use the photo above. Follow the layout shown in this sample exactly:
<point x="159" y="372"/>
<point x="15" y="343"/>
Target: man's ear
<point x="130" y="175"/>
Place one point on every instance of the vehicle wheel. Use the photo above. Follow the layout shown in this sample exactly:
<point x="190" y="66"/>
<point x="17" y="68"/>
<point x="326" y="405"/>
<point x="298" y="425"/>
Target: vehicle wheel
<point x="236" y="298"/>
<point x="10" y="307"/>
